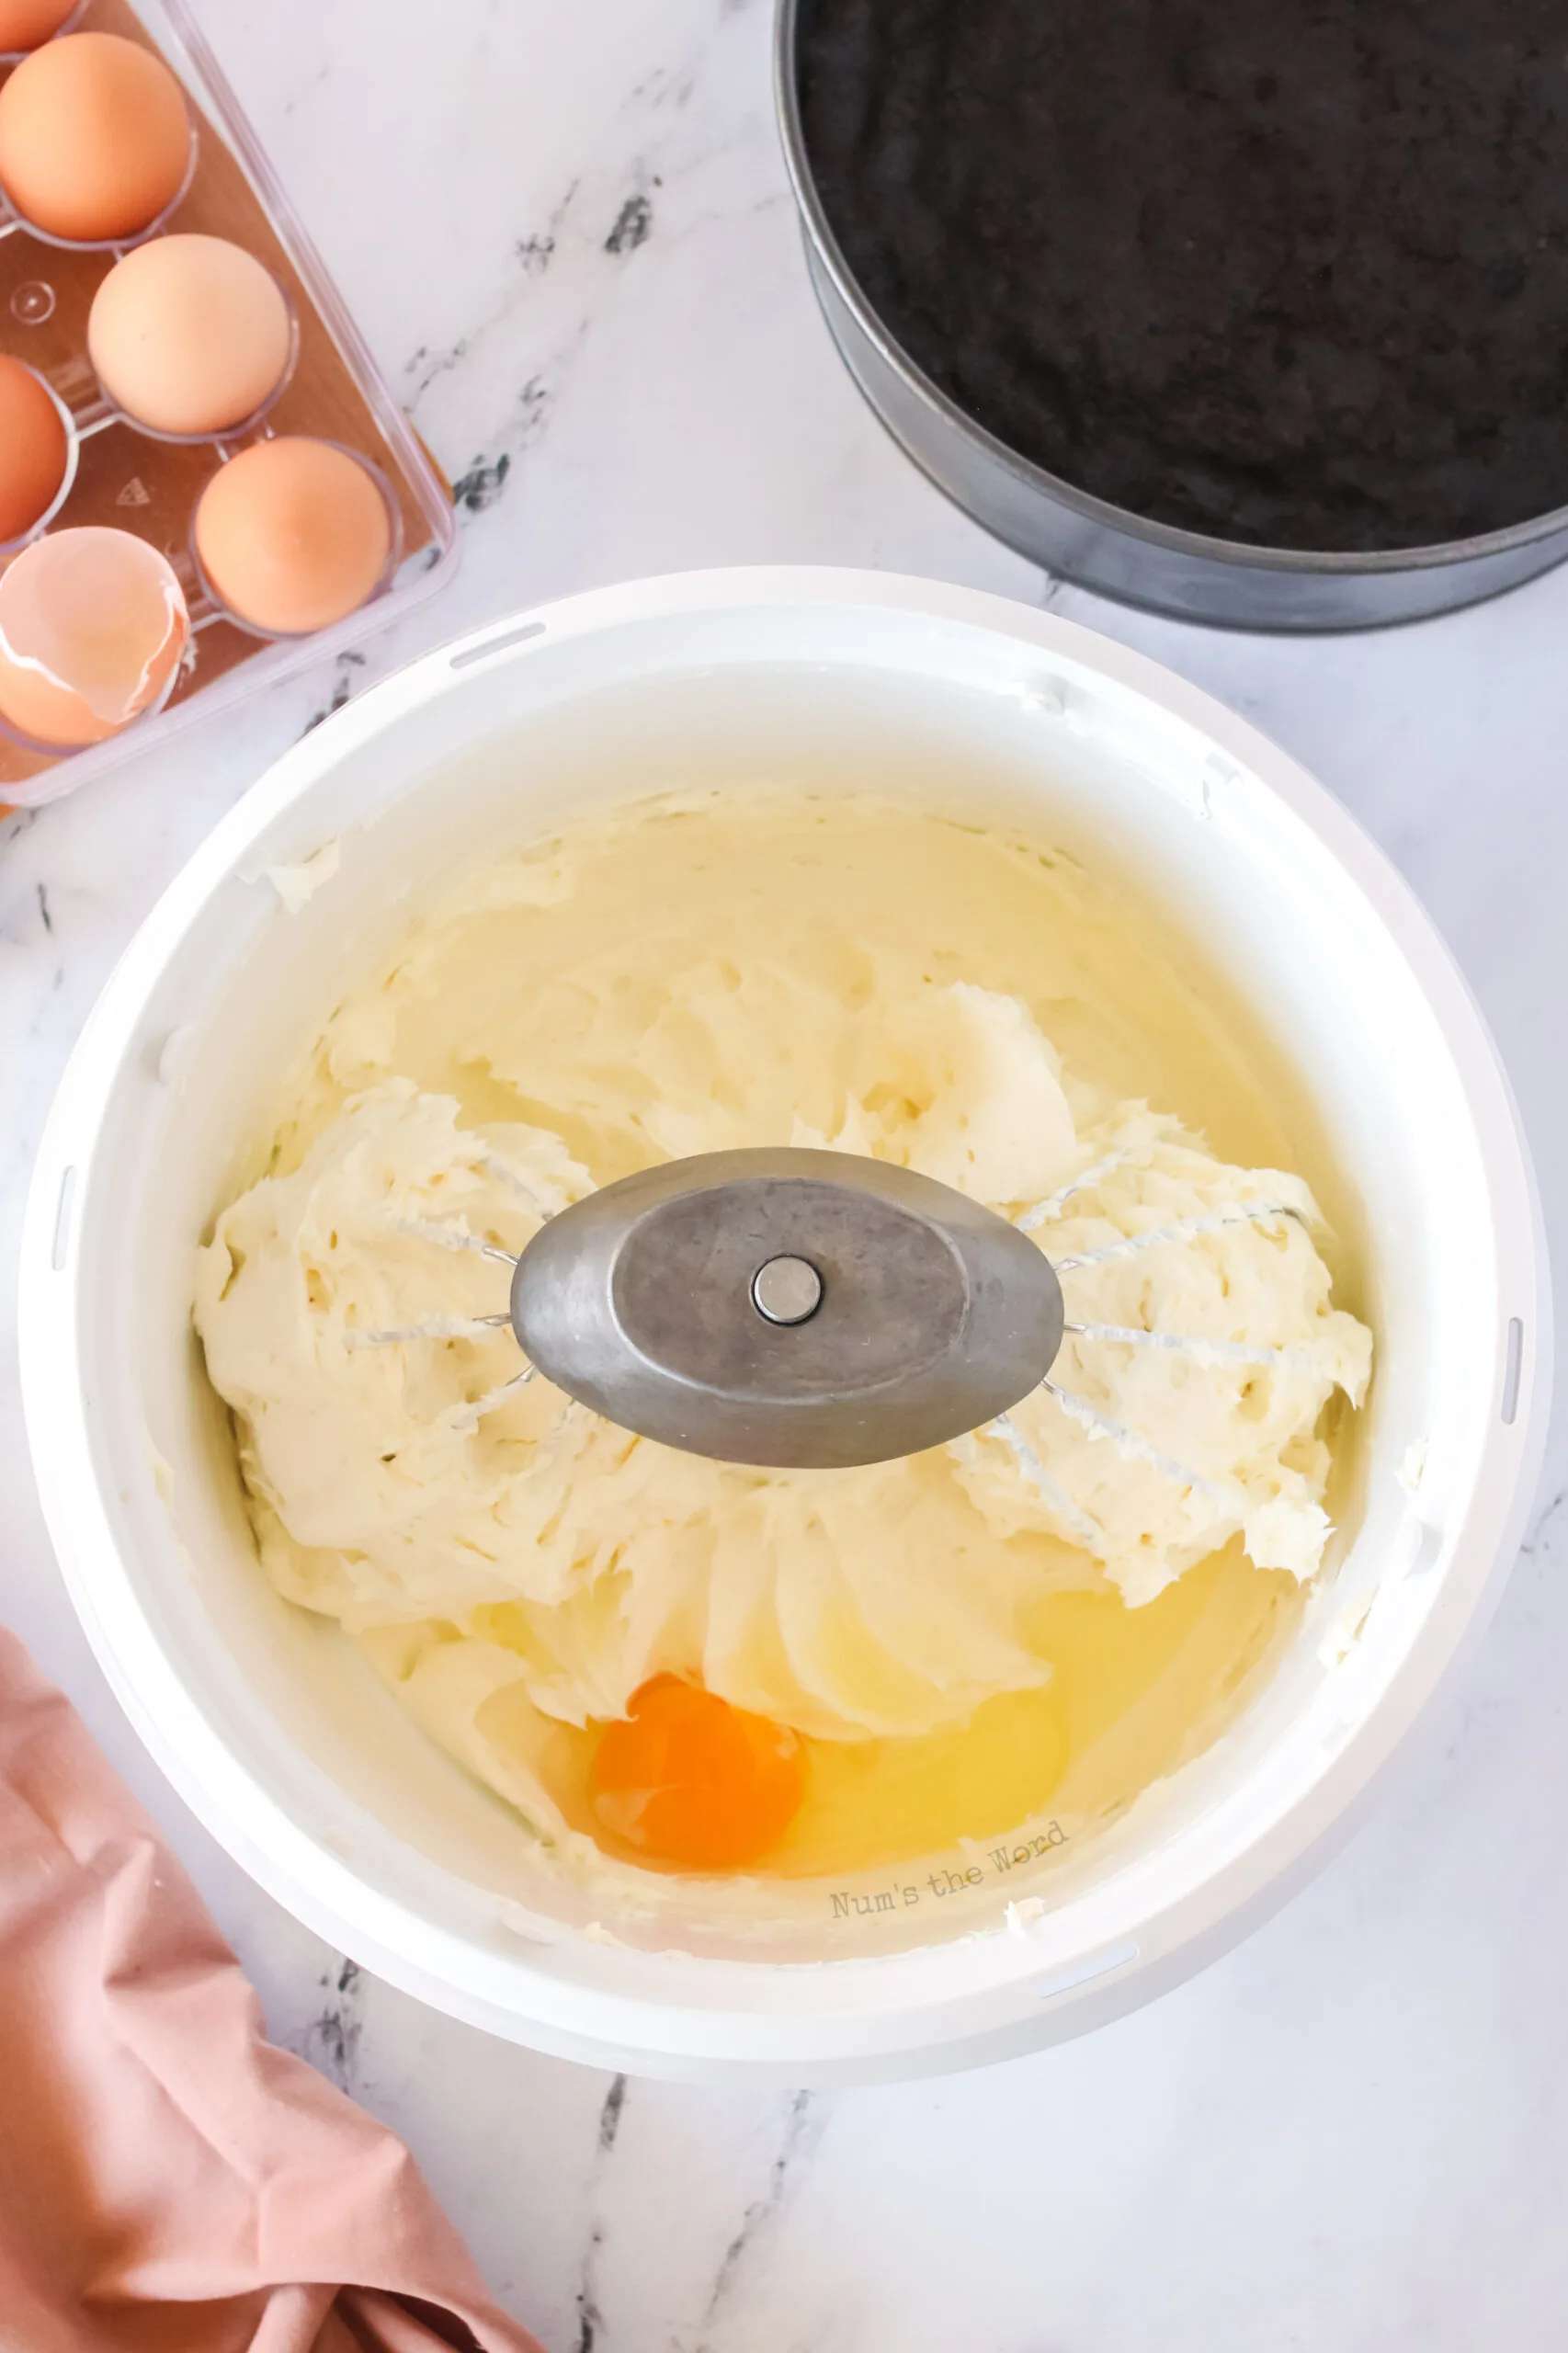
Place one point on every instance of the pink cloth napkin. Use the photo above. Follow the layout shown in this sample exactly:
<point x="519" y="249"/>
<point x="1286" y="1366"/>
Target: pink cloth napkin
<point x="169" y="2182"/>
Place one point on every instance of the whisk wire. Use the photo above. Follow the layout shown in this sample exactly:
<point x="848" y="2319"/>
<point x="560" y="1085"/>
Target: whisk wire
<point x="517" y="1185"/>
<point x="1188" y="1229"/>
<point x="1078" y="1522"/>
<point x="1132" y="1446"/>
<point x="1052" y="1206"/>
<point x="467" y="1418"/>
<point x="453" y="1237"/>
<point x="430" y="1328"/>
<point x="1190" y="1343"/>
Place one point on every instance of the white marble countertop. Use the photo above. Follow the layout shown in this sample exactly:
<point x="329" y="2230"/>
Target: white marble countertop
<point x="566" y="232"/>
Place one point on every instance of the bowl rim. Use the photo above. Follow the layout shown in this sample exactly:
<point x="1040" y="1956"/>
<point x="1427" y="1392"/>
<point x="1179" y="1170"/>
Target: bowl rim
<point x="907" y="2012"/>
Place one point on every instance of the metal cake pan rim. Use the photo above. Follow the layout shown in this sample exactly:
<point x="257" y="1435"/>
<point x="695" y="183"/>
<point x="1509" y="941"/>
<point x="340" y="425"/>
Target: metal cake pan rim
<point x="1231" y="555"/>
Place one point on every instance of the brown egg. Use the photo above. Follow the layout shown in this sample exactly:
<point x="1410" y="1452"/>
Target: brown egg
<point x="190" y="335"/>
<point x="34" y="449"/>
<point x="92" y="624"/>
<point x="95" y="139"/>
<point x="24" y="24"/>
<point x="292" y="534"/>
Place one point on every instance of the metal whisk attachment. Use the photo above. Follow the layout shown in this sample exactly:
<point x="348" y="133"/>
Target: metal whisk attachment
<point x="813" y="1309"/>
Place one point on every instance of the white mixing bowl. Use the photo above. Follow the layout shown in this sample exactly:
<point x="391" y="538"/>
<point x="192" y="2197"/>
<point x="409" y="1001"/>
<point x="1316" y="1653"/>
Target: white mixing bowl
<point x="268" y="1722"/>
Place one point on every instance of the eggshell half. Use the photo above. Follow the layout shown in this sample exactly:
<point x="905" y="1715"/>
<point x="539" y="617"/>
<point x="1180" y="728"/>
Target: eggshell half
<point x="92" y="624"/>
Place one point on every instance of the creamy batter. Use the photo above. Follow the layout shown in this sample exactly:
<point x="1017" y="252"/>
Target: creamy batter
<point x="1059" y="1611"/>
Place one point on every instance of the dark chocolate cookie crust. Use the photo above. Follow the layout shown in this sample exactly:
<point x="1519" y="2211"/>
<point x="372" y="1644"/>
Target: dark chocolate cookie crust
<point x="1287" y="272"/>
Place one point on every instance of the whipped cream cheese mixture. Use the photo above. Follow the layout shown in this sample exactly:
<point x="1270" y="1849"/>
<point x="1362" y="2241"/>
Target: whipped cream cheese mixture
<point x="918" y="1651"/>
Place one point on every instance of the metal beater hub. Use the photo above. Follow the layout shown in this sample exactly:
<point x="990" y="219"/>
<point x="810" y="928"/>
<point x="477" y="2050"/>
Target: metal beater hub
<point x="791" y="1309"/>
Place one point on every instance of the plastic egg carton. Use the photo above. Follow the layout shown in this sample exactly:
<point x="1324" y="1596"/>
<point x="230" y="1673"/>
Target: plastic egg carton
<point x="124" y="475"/>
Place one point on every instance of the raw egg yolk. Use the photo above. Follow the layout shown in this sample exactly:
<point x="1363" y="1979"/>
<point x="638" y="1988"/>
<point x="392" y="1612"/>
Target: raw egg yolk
<point x="689" y="1779"/>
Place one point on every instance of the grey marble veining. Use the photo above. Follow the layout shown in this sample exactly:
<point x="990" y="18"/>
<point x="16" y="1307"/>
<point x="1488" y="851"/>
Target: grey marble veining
<point x="566" y="233"/>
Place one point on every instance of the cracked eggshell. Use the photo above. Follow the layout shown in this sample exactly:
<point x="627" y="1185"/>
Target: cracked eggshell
<point x="92" y="624"/>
